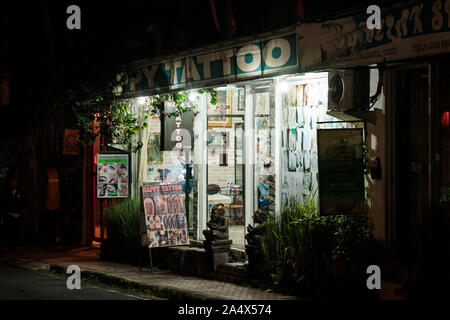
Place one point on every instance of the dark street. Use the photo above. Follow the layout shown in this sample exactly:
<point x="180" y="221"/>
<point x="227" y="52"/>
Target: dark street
<point x="225" y="150"/>
<point x="18" y="284"/>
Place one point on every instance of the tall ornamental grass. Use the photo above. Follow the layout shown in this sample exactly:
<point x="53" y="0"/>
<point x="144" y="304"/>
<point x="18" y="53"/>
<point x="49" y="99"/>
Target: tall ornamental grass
<point x="123" y="243"/>
<point x="300" y="247"/>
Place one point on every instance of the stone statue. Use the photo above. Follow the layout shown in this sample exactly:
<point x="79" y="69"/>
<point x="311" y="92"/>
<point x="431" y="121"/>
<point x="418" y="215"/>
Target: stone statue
<point x="218" y="225"/>
<point x="217" y="245"/>
<point x="255" y="234"/>
<point x="255" y="242"/>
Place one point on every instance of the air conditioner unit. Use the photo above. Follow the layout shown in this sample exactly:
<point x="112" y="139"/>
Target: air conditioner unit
<point x="349" y="89"/>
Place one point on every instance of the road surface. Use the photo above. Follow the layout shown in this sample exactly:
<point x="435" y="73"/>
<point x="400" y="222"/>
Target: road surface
<point x="19" y="284"/>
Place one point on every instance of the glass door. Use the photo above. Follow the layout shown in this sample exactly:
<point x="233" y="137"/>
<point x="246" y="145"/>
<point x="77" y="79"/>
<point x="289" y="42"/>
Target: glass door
<point x="225" y="161"/>
<point x="264" y="128"/>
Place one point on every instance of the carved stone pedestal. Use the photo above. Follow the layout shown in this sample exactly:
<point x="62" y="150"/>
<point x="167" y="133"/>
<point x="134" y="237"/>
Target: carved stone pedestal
<point x="218" y="252"/>
<point x="255" y="256"/>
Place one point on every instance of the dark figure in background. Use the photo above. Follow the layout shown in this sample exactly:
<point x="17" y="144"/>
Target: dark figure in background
<point x="52" y="219"/>
<point x="13" y="211"/>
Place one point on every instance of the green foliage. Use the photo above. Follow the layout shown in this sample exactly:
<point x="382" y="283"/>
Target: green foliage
<point x="180" y="100"/>
<point x="212" y="93"/>
<point x="445" y="194"/>
<point x="99" y="113"/>
<point x="123" y="243"/>
<point x="300" y="246"/>
<point x="125" y="125"/>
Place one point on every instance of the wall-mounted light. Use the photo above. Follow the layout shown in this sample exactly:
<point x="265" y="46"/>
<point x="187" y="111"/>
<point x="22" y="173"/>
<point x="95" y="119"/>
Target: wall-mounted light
<point x="445" y="119"/>
<point x="141" y="100"/>
<point x="192" y="96"/>
<point x="283" y="86"/>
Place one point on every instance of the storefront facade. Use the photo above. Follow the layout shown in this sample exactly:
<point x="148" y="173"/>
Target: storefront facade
<point x="406" y="125"/>
<point x="258" y="145"/>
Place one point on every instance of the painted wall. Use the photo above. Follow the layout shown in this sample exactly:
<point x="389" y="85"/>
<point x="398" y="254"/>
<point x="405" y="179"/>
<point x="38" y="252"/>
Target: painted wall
<point x="375" y="140"/>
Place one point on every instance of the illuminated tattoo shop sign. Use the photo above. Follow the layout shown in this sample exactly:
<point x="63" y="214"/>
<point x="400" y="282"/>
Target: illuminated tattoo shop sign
<point x="178" y="137"/>
<point x="257" y="58"/>
<point x="408" y="30"/>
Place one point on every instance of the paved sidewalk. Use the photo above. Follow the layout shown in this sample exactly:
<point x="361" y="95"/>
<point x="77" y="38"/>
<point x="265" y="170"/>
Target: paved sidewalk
<point x="162" y="283"/>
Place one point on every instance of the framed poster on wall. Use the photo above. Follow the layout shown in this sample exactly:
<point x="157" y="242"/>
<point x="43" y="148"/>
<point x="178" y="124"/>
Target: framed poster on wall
<point x="70" y="141"/>
<point x="215" y="138"/>
<point x="241" y="99"/>
<point x="112" y="175"/>
<point x="262" y="103"/>
<point x="154" y="154"/>
<point x="219" y="111"/>
<point x="163" y="208"/>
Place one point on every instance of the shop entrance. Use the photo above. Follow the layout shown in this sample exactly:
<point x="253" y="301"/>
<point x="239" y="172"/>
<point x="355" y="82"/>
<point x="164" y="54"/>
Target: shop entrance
<point x="225" y="166"/>
<point x="420" y="220"/>
<point x="241" y="167"/>
<point x="412" y="164"/>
